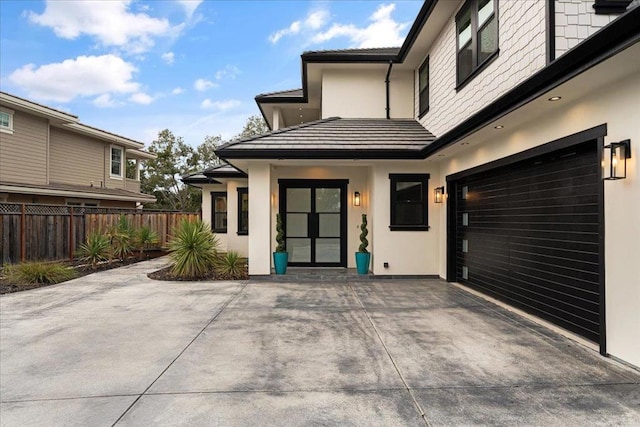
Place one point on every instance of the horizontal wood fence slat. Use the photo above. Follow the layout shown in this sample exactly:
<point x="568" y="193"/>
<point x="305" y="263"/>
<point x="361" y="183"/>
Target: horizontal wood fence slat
<point x="48" y="233"/>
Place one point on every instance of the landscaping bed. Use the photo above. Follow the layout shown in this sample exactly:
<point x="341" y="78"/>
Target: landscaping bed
<point x="166" y="274"/>
<point x="80" y="268"/>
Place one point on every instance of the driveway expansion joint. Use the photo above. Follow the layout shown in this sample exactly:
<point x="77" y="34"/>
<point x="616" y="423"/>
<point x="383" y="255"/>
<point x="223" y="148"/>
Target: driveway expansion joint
<point x="226" y="303"/>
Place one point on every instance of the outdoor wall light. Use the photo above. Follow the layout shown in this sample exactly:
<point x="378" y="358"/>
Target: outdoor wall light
<point x="614" y="160"/>
<point x="438" y="194"/>
<point x="356" y="198"/>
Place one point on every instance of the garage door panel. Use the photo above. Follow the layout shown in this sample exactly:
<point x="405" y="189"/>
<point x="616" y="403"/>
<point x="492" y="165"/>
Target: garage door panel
<point x="536" y="245"/>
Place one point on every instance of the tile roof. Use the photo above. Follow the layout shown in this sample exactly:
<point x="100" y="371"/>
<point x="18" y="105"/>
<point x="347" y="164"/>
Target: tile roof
<point x="97" y="191"/>
<point x="351" y="137"/>
<point x="291" y="93"/>
<point x="376" y="51"/>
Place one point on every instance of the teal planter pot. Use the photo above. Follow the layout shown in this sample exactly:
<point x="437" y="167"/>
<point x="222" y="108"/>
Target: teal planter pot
<point x="280" y="260"/>
<point x="362" y="262"/>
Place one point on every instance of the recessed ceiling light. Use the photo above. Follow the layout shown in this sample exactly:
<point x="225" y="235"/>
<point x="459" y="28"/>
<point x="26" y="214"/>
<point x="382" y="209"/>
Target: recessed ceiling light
<point x="498" y="127"/>
<point x="465" y="143"/>
<point x="440" y="155"/>
<point x="555" y="98"/>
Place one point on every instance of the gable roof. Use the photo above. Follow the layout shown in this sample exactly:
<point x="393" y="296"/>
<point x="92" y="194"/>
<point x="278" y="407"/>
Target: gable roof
<point x="335" y="138"/>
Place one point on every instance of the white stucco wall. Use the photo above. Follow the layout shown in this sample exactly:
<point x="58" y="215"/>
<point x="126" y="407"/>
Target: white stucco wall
<point x="362" y="94"/>
<point x="407" y="252"/>
<point x="614" y="105"/>
<point x="576" y="20"/>
<point x="522" y="47"/>
<point x="259" y="219"/>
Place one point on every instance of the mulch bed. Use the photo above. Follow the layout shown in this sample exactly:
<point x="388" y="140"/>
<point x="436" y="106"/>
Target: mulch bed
<point x="81" y="268"/>
<point x="166" y="274"/>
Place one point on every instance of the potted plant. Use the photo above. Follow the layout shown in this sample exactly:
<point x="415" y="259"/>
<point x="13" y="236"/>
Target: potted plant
<point x="363" y="257"/>
<point x="280" y="256"/>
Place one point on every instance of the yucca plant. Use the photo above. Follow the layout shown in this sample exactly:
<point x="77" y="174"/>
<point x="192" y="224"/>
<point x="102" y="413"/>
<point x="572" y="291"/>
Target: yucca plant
<point x="193" y="249"/>
<point x="145" y="237"/>
<point x="39" y="272"/>
<point x="122" y="236"/>
<point x="231" y="266"/>
<point x="97" y="248"/>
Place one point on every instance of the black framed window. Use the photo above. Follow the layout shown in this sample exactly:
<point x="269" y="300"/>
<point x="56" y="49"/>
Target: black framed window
<point x="423" y="85"/>
<point x="243" y="211"/>
<point x="219" y="212"/>
<point x="409" y="202"/>
<point x="477" y="37"/>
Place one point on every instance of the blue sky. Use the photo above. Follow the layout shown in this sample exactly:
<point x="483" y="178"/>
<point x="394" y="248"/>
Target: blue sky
<point x="194" y="67"/>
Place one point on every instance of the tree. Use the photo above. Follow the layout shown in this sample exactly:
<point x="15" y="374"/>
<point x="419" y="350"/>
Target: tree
<point x="255" y="125"/>
<point x="204" y="155"/>
<point x="161" y="176"/>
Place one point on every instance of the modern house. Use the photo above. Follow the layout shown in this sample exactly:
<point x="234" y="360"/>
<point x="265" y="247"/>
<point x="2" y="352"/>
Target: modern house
<point x="496" y="148"/>
<point x="48" y="157"/>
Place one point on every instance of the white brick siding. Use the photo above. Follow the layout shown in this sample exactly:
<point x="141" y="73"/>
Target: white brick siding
<point x="576" y="20"/>
<point x="522" y="44"/>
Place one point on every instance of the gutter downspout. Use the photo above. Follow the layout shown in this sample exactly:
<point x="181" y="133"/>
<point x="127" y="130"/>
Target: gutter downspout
<point x="386" y="81"/>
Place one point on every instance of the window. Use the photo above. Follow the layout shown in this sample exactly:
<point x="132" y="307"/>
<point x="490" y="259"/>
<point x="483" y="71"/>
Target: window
<point x="116" y="162"/>
<point x="477" y="37"/>
<point x="409" y="202"/>
<point x="243" y="211"/>
<point x="219" y="212"/>
<point x="423" y="84"/>
<point x="6" y="120"/>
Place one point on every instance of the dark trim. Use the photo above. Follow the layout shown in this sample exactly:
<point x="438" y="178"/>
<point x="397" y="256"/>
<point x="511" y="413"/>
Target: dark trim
<point x="550" y="15"/>
<point x="412" y="36"/>
<point x="317" y="154"/>
<point x="601" y="251"/>
<point x="558" y="144"/>
<point x="312" y="184"/>
<point x="226" y="174"/>
<point x="215" y="194"/>
<point x="611" y="7"/>
<point x="607" y="42"/>
<point x="341" y="58"/>
<point x="409" y="177"/>
<point x="241" y="191"/>
<point x="191" y="181"/>
<point x="387" y="81"/>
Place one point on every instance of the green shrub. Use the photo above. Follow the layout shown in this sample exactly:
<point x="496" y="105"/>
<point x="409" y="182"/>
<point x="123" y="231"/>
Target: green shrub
<point x="39" y="272"/>
<point x="145" y="237"/>
<point x="363" y="235"/>
<point x="280" y="240"/>
<point x="193" y="250"/>
<point x="97" y="248"/>
<point x="231" y="266"/>
<point x="122" y="238"/>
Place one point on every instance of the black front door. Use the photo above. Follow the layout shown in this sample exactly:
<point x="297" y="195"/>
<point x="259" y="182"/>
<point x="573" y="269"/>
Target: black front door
<point x="314" y="219"/>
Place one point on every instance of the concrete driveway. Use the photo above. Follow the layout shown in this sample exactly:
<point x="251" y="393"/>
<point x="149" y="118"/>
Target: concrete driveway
<point x="118" y="348"/>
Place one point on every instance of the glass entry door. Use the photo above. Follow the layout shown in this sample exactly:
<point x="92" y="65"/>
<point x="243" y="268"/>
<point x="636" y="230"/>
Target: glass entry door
<point x="314" y="219"/>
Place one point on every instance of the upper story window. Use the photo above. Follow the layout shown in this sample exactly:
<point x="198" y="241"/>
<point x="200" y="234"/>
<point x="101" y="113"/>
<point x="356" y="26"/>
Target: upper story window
<point x="477" y="37"/>
<point x="116" y="162"/>
<point x="6" y="120"/>
<point x="219" y="212"/>
<point x="243" y="211"/>
<point x="409" y="202"/>
<point x="423" y="85"/>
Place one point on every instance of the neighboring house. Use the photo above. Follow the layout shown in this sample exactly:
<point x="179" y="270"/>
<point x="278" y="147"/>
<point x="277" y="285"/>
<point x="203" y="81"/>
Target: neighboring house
<point x="48" y="157"/>
<point x="508" y="108"/>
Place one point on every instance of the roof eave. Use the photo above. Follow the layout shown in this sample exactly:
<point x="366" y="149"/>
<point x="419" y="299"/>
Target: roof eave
<point x="318" y="154"/>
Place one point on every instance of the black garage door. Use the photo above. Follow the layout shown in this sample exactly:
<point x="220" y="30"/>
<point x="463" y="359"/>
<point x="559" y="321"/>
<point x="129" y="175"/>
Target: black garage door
<point x="528" y="234"/>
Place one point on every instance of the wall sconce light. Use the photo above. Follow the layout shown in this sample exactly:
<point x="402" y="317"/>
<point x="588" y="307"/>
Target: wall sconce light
<point x="614" y="160"/>
<point x="356" y="198"/>
<point x="438" y="194"/>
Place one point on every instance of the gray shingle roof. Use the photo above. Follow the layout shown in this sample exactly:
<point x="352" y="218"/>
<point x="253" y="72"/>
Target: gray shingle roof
<point x="357" y="138"/>
<point x="291" y="93"/>
<point x="375" y="51"/>
<point x="99" y="192"/>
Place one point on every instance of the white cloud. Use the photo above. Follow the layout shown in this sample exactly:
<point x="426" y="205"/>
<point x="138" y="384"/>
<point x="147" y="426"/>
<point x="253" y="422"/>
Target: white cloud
<point x="204" y="84"/>
<point x="104" y="101"/>
<point x="314" y="21"/>
<point x="177" y="91"/>
<point x="383" y="31"/>
<point x="230" y="71"/>
<point x="189" y="6"/>
<point x="168" y="57"/>
<point x="82" y="76"/>
<point x="109" y="21"/>
<point x="141" y="98"/>
<point x="220" y="105"/>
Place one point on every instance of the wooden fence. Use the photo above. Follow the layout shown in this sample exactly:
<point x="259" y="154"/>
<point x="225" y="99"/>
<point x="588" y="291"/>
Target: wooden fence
<point x="46" y="232"/>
